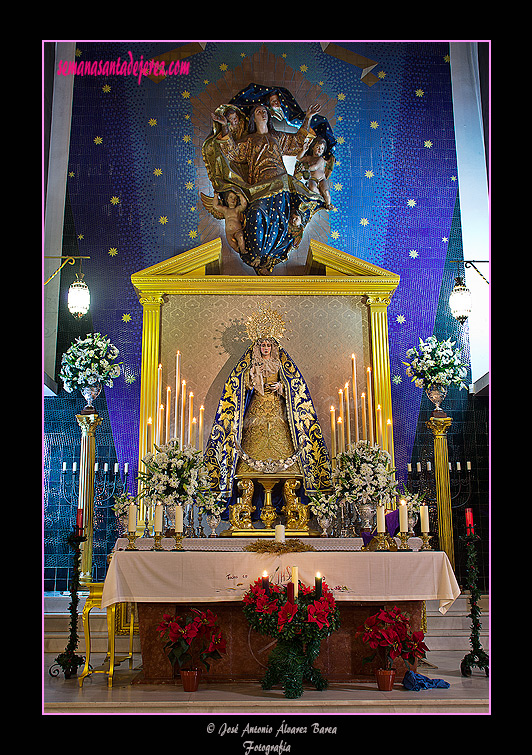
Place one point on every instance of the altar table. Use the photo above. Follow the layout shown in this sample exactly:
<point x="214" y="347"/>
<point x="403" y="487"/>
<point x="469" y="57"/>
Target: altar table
<point x="169" y="581"/>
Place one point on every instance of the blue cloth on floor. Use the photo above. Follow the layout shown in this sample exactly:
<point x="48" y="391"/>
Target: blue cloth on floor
<point x="416" y="682"/>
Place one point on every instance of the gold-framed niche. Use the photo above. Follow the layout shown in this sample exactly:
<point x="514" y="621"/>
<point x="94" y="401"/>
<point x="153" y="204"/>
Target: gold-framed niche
<point x="337" y="308"/>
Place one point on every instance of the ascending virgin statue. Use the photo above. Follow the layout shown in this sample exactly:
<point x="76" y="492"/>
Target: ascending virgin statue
<point x="266" y="422"/>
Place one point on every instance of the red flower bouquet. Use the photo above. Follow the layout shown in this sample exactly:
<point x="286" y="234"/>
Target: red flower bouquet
<point x="192" y="639"/>
<point x="298" y="626"/>
<point x="388" y="633"/>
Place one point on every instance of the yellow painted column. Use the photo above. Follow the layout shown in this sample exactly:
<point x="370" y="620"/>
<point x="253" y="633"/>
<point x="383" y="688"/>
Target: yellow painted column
<point x="88" y="424"/>
<point x="439" y="427"/>
<point x="151" y="329"/>
<point x="380" y="357"/>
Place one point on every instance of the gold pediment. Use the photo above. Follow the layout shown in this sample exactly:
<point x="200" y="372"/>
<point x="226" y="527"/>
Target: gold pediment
<point x="328" y="271"/>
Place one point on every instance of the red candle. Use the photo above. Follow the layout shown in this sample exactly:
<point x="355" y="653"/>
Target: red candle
<point x="290" y="592"/>
<point x="470" y="530"/>
<point x="79" y="520"/>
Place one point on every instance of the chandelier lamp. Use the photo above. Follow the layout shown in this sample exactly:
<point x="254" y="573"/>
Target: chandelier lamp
<point x="460" y="297"/>
<point x="79" y="295"/>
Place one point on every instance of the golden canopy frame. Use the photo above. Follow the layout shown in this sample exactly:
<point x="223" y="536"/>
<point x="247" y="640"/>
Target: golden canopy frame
<point x="329" y="271"/>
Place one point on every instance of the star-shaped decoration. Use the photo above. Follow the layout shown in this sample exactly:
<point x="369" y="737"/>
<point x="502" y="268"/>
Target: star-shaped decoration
<point x="189" y="185"/>
<point x="80" y="237"/>
<point x="419" y="92"/>
<point x="338" y="187"/>
<point x="414" y="254"/>
<point x="303" y="68"/>
<point x="364" y="221"/>
<point x="152" y="122"/>
<point x="335" y="235"/>
<point x="187" y="138"/>
<point x="223" y="67"/>
<point x="454" y="178"/>
<point x="411" y="203"/>
<point x="115" y="200"/>
<point x="113" y="251"/>
<point x="447" y="58"/>
<point x="340" y="140"/>
<point x="185" y="94"/>
<point x="130" y="378"/>
<point x="98" y="140"/>
<point x="369" y="174"/>
<point x="445" y="239"/>
<point x="427" y="143"/>
<point x="126" y="317"/>
<point x="397" y="379"/>
<point x="78" y="53"/>
<point x="400" y="319"/>
<point x="71" y="174"/>
<point x="192" y="234"/>
<point x="374" y="124"/>
<point x="381" y="75"/>
<point x="157" y="172"/>
<point x="163" y="220"/>
<point x="106" y="88"/>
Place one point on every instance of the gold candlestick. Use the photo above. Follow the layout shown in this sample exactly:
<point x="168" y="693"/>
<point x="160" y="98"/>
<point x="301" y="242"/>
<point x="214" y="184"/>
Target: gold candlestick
<point x="425" y="536"/>
<point x="403" y="545"/>
<point x="131" y="536"/>
<point x="157" y="537"/>
<point x="178" y="536"/>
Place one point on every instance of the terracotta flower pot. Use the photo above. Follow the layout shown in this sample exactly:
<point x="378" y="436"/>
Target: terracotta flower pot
<point x="385" y="679"/>
<point x="190" y="679"/>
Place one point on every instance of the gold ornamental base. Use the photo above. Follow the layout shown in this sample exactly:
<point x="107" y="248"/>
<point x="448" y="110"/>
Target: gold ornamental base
<point x="264" y="532"/>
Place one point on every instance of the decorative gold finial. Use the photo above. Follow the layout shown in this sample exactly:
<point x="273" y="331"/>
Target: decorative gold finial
<point x="266" y="323"/>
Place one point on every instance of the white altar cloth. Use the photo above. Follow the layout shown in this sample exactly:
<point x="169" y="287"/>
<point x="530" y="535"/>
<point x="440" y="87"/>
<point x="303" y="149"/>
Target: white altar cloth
<point x="191" y="576"/>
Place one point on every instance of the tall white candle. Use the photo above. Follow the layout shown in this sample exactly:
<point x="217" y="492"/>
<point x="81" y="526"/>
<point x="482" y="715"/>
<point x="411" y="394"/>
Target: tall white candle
<point x="179" y="519"/>
<point x="168" y="407"/>
<point x="149" y="436"/>
<point x="389" y="436"/>
<point x="379" y="425"/>
<point x="193" y="433"/>
<point x="74" y="466"/>
<point x="295" y="580"/>
<point x="116" y="468"/>
<point x="158" y="428"/>
<point x="468" y="466"/>
<point x="158" y="518"/>
<point x="370" y="407"/>
<point x="333" y="432"/>
<point x="347" y="416"/>
<point x="279" y="533"/>
<point x="381" y="522"/>
<point x="200" y="429"/>
<point x="190" y="416"/>
<point x="403" y="516"/>
<point x="424" y="517"/>
<point x="177" y="387"/>
<point x="341" y="443"/>
<point x="132" y="517"/>
<point x="355" y="394"/>
<point x="161" y="424"/>
<point x="182" y="418"/>
<point x="341" y="426"/>
<point x="126" y="467"/>
<point x="364" y="420"/>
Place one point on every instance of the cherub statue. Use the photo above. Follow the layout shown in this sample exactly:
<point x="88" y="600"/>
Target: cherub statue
<point x="313" y="166"/>
<point x="229" y="206"/>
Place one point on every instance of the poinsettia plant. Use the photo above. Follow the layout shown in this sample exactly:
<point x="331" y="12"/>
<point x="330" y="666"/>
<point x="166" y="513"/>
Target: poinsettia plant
<point x="307" y="618"/>
<point x="388" y="633"/>
<point x="193" y="638"/>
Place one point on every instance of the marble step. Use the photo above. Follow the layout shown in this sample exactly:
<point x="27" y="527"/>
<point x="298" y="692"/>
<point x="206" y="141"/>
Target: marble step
<point x="452" y="630"/>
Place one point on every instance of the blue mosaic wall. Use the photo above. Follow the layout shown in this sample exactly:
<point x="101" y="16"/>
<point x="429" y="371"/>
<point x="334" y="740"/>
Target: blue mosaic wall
<point x="394" y="188"/>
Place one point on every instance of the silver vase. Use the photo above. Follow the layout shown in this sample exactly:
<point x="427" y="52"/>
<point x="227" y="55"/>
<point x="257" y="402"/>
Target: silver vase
<point x="436" y="393"/>
<point x="90" y="393"/>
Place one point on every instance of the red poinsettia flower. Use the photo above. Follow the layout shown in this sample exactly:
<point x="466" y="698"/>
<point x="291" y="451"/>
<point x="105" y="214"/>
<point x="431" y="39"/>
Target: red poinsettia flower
<point x="286" y="614"/>
<point x="217" y="642"/>
<point x="175" y="631"/>
<point x="318" y="612"/>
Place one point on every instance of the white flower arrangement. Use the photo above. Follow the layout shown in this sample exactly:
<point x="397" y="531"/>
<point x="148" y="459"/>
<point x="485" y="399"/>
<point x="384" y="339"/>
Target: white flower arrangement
<point x="435" y="361"/>
<point x="413" y="500"/>
<point x="324" y="505"/>
<point x="88" y="361"/>
<point x="175" y="477"/>
<point x="364" y="475"/>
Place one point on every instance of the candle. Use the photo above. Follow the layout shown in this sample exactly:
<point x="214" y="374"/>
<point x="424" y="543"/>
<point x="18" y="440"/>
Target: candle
<point x="193" y="433"/>
<point x="347" y="416"/>
<point x="96" y="466"/>
<point x="370" y="406"/>
<point x="74" y="466"/>
<point x="403" y="516"/>
<point x="106" y="467"/>
<point x="409" y="467"/>
<point x="182" y="418"/>
<point x="470" y="529"/>
<point x="177" y="387"/>
<point x="158" y="428"/>
<point x="161" y="424"/>
<point x="341" y="444"/>
<point x="429" y="466"/>
<point x="389" y="435"/>
<point x="79" y="520"/>
<point x="126" y="467"/>
<point x="201" y="420"/>
<point x="132" y="518"/>
<point x="458" y="466"/>
<point x="279" y="533"/>
<point x="149" y="436"/>
<point x="318" y="583"/>
<point x="379" y="425"/>
<point x="354" y="383"/>
<point x="381" y="522"/>
<point x="168" y="407"/>
<point x="290" y="592"/>
<point x="295" y="580"/>
<point x="424" y="517"/>
<point x="341" y="405"/>
<point x="333" y="432"/>
<point x="116" y="468"/>
<point x="418" y="466"/>
<point x="364" y="421"/>
<point x="190" y="416"/>
<point x="265" y="582"/>
<point x="468" y="466"/>
<point x="158" y="518"/>
<point x="64" y="466"/>
<point x="178" y="519"/>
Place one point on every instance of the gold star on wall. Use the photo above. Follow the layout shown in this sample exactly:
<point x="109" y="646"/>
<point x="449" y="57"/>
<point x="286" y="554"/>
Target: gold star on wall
<point x="126" y="317"/>
<point x="157" y="172"/>
<point x="374" y="124"/>
<point x="163" y="220"/>
<point x="115" y="200"/>
<point x="113" y="251"/>
<point x="98" y="140"/>
<point x="152" y="122"/>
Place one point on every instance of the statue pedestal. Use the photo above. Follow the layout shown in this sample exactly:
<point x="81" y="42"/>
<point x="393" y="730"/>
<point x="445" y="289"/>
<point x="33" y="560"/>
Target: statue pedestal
<point x="297" y="513"/>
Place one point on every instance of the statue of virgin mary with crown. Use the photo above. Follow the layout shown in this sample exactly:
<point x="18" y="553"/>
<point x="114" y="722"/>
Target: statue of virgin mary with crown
<point x="266" y="422"/>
